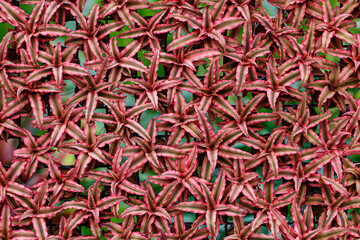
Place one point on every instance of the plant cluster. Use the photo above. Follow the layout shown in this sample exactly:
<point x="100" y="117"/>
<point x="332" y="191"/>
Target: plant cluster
<point x="253" y="130"/>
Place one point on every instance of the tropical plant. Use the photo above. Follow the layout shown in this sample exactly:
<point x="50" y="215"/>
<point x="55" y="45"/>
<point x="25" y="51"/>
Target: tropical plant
<point x="173" y="119"/>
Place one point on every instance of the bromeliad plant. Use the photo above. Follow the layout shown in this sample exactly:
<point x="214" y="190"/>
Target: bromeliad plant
<point x="211" y="119"/>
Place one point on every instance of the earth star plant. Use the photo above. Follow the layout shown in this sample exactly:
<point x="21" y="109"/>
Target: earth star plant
<point x="173" y="119"/>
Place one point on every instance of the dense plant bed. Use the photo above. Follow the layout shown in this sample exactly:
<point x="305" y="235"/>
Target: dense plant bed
<point x="180" y="119"/>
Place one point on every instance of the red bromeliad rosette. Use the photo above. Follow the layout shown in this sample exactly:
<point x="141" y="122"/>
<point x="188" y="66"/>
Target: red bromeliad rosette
<point x="135" y="119"/>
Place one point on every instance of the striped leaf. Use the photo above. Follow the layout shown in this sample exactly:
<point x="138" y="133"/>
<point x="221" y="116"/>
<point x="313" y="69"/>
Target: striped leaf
<point x="40" y="228"/>
<point x="330" y="233"/>
<point x="228" y="23"/>
<point x="136" y="127"/>
<point x="167" y="151"/>
<point x="183" y="41"/>
<point x="353" y="202"/>
<point x="314" y="165"/>
<point x="37" y="108"/>
<point x="194" y="207"/>
<point x="14" y="14"/>
<point x="233" y="153"/>
<point x="109" y="202"/>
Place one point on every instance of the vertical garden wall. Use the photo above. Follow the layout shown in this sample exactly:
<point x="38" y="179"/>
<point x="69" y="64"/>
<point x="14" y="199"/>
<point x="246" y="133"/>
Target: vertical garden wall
<point x="205" y="119"/>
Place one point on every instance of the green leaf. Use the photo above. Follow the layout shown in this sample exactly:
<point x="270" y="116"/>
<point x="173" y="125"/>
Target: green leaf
<point x="123" y="42"/>
<point x="271" y="10"/>
<point x="86" y="231"/>
<point x="143" y="59"/>
<point x="268" y="127"/>
<point x="122" y="207"/>
<point x="334" y="59"/>
<point x="201" y="71"/>
<point x="27" y="7"/>
<point x="147" y="116"/>
<point x="334" y="3"/>
<point x="89" y="4"/>
<point x="147" y="12"/>
<point x="129" y="100"/>
<point x="145" y="176"/>
<point x="357" y="28"/>
<point x="4" y="29"/>
<point x="87" y="182"/>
